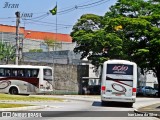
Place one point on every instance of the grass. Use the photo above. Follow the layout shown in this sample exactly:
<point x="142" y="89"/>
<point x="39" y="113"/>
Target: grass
<point x="8" y="105"/>
<point x="27" y="98"/>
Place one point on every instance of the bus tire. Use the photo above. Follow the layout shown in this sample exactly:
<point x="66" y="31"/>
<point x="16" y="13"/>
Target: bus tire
<point x="13" y="91"/>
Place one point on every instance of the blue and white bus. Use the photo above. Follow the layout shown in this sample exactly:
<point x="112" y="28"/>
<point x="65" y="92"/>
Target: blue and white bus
<point x="119" y="82"/>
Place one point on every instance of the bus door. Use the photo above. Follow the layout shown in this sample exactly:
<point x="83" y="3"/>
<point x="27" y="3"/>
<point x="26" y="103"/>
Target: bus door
<point x="119" y="80"/>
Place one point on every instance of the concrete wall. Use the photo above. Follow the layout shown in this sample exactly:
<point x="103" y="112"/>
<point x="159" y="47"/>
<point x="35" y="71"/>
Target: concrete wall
<point x="29" y="44"/>
<point x="67" y="78"/>
<point x="9" y="38"/>
<point x="61" y="57"/>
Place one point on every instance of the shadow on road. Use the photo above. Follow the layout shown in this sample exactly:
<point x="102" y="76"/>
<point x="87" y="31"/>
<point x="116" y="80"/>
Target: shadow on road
<point x="109" y="104"/>
<point x="96" y="103"/>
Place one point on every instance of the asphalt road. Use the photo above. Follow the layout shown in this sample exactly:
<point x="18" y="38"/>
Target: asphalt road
<point x="86" y="108"/>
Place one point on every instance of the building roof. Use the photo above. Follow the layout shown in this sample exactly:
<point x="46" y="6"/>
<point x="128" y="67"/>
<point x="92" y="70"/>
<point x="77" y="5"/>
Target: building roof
<point x="36" y="35"/>
<point x="10" y="29"/>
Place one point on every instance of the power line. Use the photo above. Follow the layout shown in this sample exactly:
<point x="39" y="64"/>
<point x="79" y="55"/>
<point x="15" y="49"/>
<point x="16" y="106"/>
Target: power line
<point x="8" y="18"/>
<point x="66" y="8"/>
<point x="83" y="6"/>
<point x="50" y="23"/>
<point x="36" y="20"/>
<point x="7" y="21"/>
<point x="64" y="11"/>
<point x="41" y="24"/>
<point x="58" y="28"/>
<point x="78" y="6"/>
<point x="93" y="4"/>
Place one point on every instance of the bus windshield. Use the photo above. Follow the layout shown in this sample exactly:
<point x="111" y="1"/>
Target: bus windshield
<point x="47" y="74"/>
<point x="119" y="71"/>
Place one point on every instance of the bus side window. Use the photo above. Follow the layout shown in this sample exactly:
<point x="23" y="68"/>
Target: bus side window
<point x="21" y="72"/>
<point x="34" y="73"/>
<point x="14" y="72"/>
<point x="1" y="72"/>
<point x="28" y="73"/>
<point x="7" y="72"/>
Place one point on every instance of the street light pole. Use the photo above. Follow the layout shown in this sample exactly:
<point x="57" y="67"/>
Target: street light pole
<point x="17" y="36"/>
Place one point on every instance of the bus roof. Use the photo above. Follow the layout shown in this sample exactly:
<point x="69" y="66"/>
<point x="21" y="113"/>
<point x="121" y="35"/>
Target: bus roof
<point x="120" y="61"/>
<point x="22" y="66"/>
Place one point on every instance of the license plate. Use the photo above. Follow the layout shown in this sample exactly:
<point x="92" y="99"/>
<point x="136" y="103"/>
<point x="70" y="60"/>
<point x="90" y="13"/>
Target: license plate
<point x="118" y="94"/>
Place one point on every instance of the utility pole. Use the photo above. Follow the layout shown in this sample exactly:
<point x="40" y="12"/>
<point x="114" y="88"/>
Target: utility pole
<point x="21" y="46"/>
<point x="17" y="36"/>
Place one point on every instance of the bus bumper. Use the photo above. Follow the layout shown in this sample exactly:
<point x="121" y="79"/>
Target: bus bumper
<point x="119" y="99"/>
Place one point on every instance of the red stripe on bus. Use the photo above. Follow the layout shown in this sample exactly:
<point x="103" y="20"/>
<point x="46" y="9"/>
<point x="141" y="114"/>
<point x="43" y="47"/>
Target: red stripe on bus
<point x="118" y="81"/>
<point x="33" y="81"/>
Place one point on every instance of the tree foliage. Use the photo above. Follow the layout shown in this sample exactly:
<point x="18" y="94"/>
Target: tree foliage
<point x="35" y="50"/>
<point x="7" y="52"/>
<point x="51" y="43"/>
<point x="129" y="30"/>
<point x="92" y="40"/>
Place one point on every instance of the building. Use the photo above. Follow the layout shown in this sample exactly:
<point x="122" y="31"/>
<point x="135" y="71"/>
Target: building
<point x="148" y="79"/>
<point x="8" y="34"/>
<point x="35" y="39"/>
<point x="151" y="79"/>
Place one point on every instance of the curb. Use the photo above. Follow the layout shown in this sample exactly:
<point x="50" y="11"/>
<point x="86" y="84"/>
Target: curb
<point x="82" y="98"/>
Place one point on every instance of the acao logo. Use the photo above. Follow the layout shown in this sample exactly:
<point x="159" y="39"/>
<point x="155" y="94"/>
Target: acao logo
<point x="120" y="68"/>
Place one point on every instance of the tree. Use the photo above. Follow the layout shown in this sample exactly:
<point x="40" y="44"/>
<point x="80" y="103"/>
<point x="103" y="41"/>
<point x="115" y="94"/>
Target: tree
<point x="92" y="41"/>
<point x="140" y="21"/>
<point x="137" y="39"/>
<point x="35" y="50"/>
<point x="7" y="52"/>
<point x="51" y="43"/>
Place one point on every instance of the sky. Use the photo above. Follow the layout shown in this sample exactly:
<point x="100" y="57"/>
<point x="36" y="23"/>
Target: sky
<point x="68" y="13"/>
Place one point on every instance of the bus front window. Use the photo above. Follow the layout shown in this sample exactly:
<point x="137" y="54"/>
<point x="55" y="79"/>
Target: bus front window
<point x="47" y="74"/>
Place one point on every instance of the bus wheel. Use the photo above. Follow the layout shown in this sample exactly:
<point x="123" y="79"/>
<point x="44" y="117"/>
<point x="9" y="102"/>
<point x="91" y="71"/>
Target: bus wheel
<point x="13" y="91"/>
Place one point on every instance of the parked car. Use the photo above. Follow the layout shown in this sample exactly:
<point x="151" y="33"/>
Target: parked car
<point x="147" y="91"/>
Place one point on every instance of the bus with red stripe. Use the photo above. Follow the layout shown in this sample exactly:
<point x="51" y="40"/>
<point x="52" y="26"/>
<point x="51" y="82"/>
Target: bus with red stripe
<point x="119" y="82"/>
<point x="25" y="79"/>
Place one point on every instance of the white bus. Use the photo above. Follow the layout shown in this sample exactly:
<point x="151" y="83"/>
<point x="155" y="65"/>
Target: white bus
<point x="25" y="79"/>
<point x="119" y="82"/>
